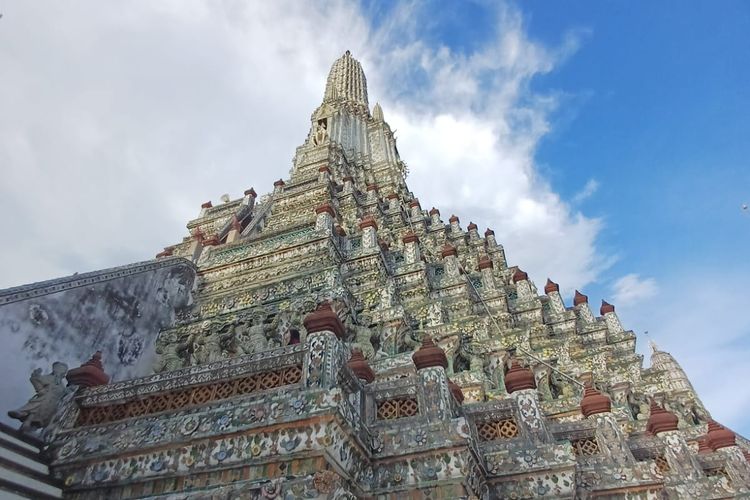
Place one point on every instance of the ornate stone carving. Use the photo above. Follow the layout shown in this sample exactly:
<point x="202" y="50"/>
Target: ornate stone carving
<point x="40" y="409"/>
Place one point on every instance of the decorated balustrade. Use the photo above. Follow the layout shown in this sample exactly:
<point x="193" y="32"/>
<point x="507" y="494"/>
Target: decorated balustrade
<point x="246" y="376"/>
<point x="393" y="400"/>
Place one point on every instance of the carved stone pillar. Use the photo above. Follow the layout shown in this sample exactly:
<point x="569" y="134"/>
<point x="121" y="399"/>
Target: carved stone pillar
<point x="324" y="174"/>
<point x="411" y="248"/>
<point x="196" y="246"/>
<point x="435" y="218"/>
<point x="531" y="416"/>
<point x="325" y="217"/>
<point x="612" y="441"/>
<point x="372" y="193"/>
<point x="495" y="250"/>
<point x="326" y="353"/>
<point x="415" y="210"/>
<point x="683" y="465"/>
<point x="521" y="385"/>
<point x="610" y="318"/>
<point x="249" y="197"/>
<point x="392" y="201"/>
<point x="369" y="233"/>
<point x="455" y="227"/>
<point x="581" y="306"/>
<point x="556" y="303"/>
<point x="523" y="287"/>
<point x="450" y="261"/>
<point x="234" y="233"/>
<point x="473" y="233"/>
<point x="431" y="362"/>
<point x="488" y="279"/>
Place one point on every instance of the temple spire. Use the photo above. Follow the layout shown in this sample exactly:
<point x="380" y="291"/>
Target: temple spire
<point x="346" y="81"/>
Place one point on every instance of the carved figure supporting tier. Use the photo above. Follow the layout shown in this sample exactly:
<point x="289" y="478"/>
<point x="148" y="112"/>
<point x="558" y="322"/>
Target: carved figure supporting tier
<point x="173" y="352"/>
<point x="253" y="337"/>
<point x="50" y="389"/>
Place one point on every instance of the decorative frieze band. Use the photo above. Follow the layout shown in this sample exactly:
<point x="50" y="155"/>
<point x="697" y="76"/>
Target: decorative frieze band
<point x="191" y="396"/>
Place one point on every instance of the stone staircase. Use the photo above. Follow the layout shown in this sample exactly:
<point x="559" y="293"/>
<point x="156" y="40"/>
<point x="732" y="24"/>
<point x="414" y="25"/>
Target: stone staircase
<point x="23" y="468"/>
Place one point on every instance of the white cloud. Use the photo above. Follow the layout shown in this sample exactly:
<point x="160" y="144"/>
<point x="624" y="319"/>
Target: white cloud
<point x="632" y="289"/>
<point x="591" y="187"/>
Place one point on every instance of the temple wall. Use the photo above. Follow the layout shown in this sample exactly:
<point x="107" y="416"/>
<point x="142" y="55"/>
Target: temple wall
<point x="117" y="311"/>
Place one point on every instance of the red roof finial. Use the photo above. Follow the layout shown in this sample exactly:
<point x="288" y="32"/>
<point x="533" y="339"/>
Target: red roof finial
<point x="90" y="373"/>
<point x="594" y="402"/>
<point x="410" y="237"/>
<point x="359" y="366"/>
<point x="448" y="250"/>
<point x="606" y="308"/>
<point x="580" y="299"/>
<point x="485" y="262"/>
<point x="368" y="221"/>
<point x="519" y="378"/>
<point x="551" y="286"/>
<point x="719" y="436"/>
<point x="520" y="276"/>
<point x="660" y="420"/>
<point x="429" y="355"/>
<point x="324" y="319"/>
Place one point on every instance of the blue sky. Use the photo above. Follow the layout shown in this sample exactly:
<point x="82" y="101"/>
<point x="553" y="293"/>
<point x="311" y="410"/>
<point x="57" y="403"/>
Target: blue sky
<point x="604" y="142"/>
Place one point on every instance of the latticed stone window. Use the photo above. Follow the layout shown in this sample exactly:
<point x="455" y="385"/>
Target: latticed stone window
<point x="661" y="464"/>
<point x="497" y="429"/>
<point x="585" y="447"/>
<point x="397" y="408"/>
<point x="191" y="396"/>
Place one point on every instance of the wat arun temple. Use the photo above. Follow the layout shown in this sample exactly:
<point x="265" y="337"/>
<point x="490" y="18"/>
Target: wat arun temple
<point x="339" y="338"/>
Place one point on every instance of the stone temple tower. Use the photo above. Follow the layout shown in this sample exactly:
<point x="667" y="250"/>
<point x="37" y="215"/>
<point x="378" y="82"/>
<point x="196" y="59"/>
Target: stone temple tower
<point x="341" y="341"/>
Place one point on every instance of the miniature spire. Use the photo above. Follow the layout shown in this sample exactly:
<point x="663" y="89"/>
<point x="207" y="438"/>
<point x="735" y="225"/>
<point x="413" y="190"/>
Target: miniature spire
<point x="377" y="113"/>
<point x="653" y="346"/>
<point x="551" y="286"/>
<point x="606" y="308"/>
<point x="580" y="299"/>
